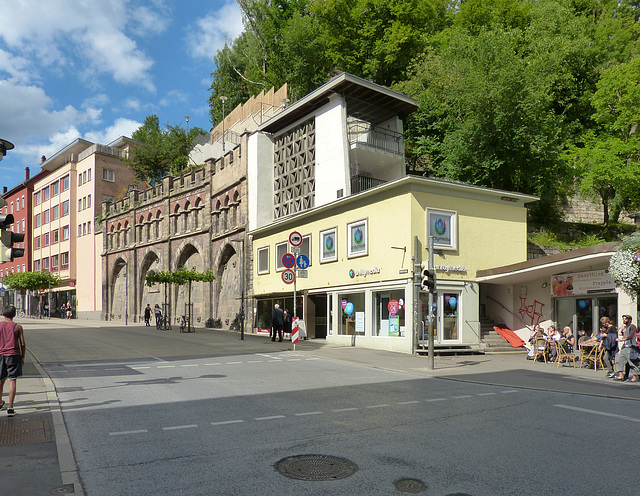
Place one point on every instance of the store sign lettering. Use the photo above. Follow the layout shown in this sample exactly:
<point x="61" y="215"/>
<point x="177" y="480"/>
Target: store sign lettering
<point x="363" y="272"/>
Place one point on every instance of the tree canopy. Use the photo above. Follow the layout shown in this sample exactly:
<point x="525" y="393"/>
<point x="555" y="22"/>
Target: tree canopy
<point x="537" y="97"/>
<point x="31" y="281"/>
<point x="158" y="151"/>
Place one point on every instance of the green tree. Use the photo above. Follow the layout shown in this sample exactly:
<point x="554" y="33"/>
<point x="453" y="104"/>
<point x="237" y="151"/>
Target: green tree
<point x="608" y="158"/>
<point x="158" y="152"/>
<point x="180" y="277"/>
<point x="31" y="281"/>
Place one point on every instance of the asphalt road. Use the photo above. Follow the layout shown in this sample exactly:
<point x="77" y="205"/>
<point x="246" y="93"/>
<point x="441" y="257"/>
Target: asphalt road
<point x="159" y="413"/>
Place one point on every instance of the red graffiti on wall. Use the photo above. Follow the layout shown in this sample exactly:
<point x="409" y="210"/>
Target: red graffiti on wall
<point x="534" y="312"/>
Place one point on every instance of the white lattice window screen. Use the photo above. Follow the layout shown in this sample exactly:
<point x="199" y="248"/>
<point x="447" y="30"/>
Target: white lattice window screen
<point x="294" y="170"/>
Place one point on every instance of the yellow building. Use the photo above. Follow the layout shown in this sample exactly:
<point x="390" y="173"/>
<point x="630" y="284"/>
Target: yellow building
<point x="362" y="284"/>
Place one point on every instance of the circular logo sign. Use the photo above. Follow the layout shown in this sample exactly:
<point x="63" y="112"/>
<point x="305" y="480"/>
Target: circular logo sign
<point x="295" y="238"/>
<point x="288" y="276"/>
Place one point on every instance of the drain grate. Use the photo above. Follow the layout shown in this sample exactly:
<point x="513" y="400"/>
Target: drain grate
<point x="66" y="489"/>
<point x="316" y="467"/>
<point x="411" y="486"/>
<point x="18" y="432"/>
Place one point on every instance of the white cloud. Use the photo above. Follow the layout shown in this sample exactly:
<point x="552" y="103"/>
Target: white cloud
<point x="210" y="33"/>
<point x="97" y="31"/>
<point x="121" y="127"/>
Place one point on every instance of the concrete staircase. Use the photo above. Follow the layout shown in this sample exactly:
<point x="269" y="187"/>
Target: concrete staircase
<point x="493" y="342"/>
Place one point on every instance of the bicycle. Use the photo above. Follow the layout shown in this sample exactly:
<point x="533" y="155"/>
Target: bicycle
<point x="184" y="324"/>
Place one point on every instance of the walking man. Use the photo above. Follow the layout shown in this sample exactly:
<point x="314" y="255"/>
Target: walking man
<point x="277" y="321"/>
<point x="12" y="352"/>
<point x="628" y="354"/>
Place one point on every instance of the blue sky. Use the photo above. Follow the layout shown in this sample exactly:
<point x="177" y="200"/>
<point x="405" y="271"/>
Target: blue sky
<point x="95" y="69"/>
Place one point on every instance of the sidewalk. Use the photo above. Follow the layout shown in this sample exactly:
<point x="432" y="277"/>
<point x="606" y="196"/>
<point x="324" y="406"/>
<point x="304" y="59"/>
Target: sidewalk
<point x="36" y="456"/>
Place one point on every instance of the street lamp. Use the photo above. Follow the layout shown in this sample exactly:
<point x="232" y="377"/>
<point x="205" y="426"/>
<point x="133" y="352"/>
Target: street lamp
<point x="122" y="263"/>
<point x="4" y="146"/>
<point x="186" y="118"/>
<point x="224" y="99"/>
<point x="241" y="240"/>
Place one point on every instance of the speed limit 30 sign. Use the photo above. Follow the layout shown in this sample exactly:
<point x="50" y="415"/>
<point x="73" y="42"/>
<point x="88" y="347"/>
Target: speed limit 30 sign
<point x="288" y="276"/>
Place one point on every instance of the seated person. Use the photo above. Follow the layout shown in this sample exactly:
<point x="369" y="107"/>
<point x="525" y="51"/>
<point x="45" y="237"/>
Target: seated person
<point x="628" y="354"/>
<point x="536" y="333"/>
<point x="554" y="338"/>
<point x="568" y="340"/>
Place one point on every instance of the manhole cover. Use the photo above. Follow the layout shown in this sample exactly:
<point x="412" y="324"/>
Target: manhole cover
<point x="411" y="486"/>
<point x="66" y="489"/>
<point x="32" y="430"/>
<point x="316" y="467"/>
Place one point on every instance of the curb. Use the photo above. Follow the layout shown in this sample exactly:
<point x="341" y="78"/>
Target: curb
<point x="66" y="459"/>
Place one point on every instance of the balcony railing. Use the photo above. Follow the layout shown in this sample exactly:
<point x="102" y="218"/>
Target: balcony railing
<point x="383" y="139"/>
<point x="362" y="183"/>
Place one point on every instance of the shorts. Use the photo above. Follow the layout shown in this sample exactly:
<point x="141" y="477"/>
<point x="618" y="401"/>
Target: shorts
<point x="10" y="367"/>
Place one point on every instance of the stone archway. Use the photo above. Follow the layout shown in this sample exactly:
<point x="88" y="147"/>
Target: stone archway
<point x="227" y="285"/>
<point x="118" y="290"/>
<point x="190" y="259"/>
<point x="149" y="294"/>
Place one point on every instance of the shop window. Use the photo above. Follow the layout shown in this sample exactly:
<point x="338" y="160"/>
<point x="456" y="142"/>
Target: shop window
<point x="389" y="313"/>
<point x="352" y="314"/>
<point x="263" y="260"/>
<point x="450" y="322"/>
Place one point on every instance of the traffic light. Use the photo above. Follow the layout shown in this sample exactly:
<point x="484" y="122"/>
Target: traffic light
<point x="7" y="239"/>
<point x="428" y="279"/>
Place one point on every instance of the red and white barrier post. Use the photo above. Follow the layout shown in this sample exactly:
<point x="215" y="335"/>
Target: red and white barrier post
<point x="295" y="329"/>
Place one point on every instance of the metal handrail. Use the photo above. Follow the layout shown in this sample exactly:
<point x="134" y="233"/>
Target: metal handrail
<point x="383" y="139"/>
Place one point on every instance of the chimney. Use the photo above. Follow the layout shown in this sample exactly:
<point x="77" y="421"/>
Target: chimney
<point x="26" y="173"/>
<point x="43" y="159"/>
<point x="4" y="189"/>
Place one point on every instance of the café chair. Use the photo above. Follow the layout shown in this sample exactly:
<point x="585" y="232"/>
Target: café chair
<point x="541" y="349"/>
<point x="564" y="356"/>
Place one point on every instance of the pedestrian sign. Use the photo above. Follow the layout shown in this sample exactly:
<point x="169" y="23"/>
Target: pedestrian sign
<point x="302" y="261"/>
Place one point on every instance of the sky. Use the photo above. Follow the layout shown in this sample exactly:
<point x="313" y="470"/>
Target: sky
<point x="94" y="69"/>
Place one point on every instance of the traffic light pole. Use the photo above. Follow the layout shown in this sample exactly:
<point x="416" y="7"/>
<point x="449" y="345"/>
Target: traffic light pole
<point x="430" y="360"/>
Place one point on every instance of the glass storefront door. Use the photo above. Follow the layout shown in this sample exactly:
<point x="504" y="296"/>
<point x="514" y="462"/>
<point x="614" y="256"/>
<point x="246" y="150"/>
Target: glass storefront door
<point x="583" y="313"/>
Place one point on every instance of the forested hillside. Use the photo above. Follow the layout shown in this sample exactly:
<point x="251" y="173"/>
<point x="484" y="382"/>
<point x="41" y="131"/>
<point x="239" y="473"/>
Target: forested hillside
<point x="541" y="97"/>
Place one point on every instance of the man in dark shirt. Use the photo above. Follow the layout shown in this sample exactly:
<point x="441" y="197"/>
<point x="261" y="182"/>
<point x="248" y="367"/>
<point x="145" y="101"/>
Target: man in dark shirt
<point x="277" y="321"/>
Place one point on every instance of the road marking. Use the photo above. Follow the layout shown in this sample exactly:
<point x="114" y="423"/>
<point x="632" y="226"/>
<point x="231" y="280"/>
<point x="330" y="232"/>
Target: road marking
<point x="225" y="422"/>
<point x="191" y="365"/>
<point x="124" y="433"/>
<point x="255" y="361"/>
<point x="486" y="394"/>
<point x="268" y="356"/>
<point x="509" y="392"/>
<point x="272" y="417"/>
<point x="408" y="402"/>
<point x="344" y="410"/>
<point x="271" y="361"/>
<point x="437" y="399"/>
<point x="307" y="413"/>
<point x="139" y="368"/>
<point x="596" y="412"/>
<point x="166" y="366"/>
<point x="118" y="368"/>
<point x="377" y="406"/>
<point x="462" y="397"/>
<point x="314" y="358"/>
<point x="215" y="363"/>
<point x="176" y="427"/>
<point x="233" y="363"/>
<point x="294" y="359"/>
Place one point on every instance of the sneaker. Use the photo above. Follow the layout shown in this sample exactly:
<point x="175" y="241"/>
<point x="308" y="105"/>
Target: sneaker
<point x="10" y="412"/>
<point x="611" y="375"/>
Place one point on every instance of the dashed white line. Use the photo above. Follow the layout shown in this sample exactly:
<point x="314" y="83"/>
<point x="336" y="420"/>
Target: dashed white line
<point x="462" y="397"/>
<point x="310" y="359"/>
<point x="139" y="368"/>
<point x="117" y="368"/>
<point x="124" y="433"/>
<point x="596" y="412"/>
<point x="215" y="363"/>
<point x="408" y="402"/>
<point x="272" y="417"/>
<point x="486" y="394"/>
<point x="225" y="422"/>
<point x="233" y="363"/>
<point x="437" y="399"/>
<point x="377" y="406"/>
<point x="509" y="392"/>
<point x="191" y="365"/>
<point x="166" y="366"/>
<point x="353" y="409"/>
<point x="294" y="359"/>
<point x="307" y="413"/>
<point x="176" y="427"/>
<point x="255" y="361"/>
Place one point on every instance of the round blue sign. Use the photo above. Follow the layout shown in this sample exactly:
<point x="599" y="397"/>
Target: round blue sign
<point x="303" y="261"/>
<point x="288" y="260"/>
